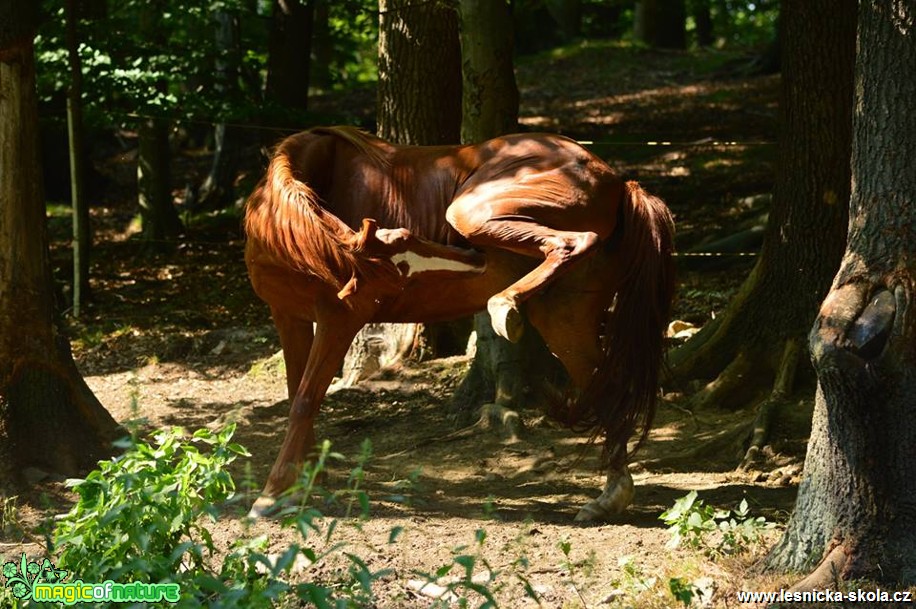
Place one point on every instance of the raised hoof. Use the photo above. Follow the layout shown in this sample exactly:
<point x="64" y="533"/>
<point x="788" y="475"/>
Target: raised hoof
<point x="506" y="319"/>
<point x="611" y="503"/>
<point x="263" y="506"/>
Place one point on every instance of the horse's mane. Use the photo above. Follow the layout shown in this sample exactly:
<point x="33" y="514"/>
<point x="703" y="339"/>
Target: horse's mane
<point x="286" y="217"/>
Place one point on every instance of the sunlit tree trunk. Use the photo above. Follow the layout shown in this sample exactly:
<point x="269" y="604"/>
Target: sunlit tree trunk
<point x="855" y="513"/>
<point x="49" y="418"/>
<point x="502" y="373"/>
<point x="81" y="231"/>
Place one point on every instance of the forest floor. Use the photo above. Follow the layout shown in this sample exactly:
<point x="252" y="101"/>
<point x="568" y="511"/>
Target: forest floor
<point x="180" y="339"/>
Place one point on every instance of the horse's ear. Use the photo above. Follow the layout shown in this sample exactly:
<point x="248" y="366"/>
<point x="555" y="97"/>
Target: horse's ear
<point x="348" y="290"/>
<point x="365" y="235"/>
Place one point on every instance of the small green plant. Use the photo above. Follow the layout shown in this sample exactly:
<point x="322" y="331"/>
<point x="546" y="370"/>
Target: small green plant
<point x="138" y="515"/>
<point x="470" y="579"/>
<point x="682" y="590"/>
<point x="693" y="524"/>
<point x="9" y="517"/>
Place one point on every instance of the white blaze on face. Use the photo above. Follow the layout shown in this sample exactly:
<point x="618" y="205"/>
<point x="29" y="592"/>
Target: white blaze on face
<point x="411" y="263"/>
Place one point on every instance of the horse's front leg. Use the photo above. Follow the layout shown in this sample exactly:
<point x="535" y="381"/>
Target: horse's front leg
<point x="333" y="336"/>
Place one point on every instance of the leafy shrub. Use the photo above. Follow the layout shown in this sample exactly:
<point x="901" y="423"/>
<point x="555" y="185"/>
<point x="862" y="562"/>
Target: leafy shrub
<point x="694" y="524"/>
<point x="138" y="515"/>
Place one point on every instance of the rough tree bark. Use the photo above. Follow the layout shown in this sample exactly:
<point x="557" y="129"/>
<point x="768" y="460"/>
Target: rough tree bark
<point x="753" y="342"/>
<point x="419" y="73"/>
<point x="856" y="509"/>
<point x="49" y="418"/>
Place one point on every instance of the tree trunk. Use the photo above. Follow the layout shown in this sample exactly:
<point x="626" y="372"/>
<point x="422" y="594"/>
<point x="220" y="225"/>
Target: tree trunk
<point x="645" y="21"/>
<point x="154" y="180"/>
<point x="419" y="73"/>
<point x="671" y="26"/>
<point x="289" y="53"/>
<point x="502" y="372"/>
<point x="489" y="92"/>
<point x="82" y="239"/>
<point x="702" y="18"/>
<point x="154" y="190"/>
<point x="805" y="233"/>
<point x="218" y="189"/>
<point x="855" y="511"/>
<point x="48" y="416"/>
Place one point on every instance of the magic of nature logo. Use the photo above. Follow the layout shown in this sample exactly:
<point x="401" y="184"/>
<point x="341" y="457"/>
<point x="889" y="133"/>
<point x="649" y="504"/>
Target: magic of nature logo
<point x="40" y="582"/>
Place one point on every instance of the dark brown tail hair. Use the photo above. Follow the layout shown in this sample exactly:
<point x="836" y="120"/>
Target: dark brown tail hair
<point x="286" y="218"/>
<point x="622" y="395"/>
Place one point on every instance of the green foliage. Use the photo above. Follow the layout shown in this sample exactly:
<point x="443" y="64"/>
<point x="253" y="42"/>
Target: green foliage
<point x="144" y="517"/>
<point x="682" y="590"/>
<point x="139" y="516"/>
<point x="162" y="58"/>
<point x="693" y="524"/>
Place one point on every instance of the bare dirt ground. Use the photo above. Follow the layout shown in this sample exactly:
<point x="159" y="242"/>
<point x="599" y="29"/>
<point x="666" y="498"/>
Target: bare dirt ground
<point x="179" y="339"/>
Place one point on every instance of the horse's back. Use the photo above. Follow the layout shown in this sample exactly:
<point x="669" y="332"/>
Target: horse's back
<point x="543" y="178"/>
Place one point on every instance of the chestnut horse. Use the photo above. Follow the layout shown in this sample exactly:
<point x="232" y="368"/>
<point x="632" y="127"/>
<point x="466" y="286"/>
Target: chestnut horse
<point x="347" y="229"/>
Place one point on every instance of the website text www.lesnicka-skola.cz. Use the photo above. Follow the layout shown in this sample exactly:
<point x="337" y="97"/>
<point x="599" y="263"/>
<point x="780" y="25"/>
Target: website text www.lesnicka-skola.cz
<point x="827" y="596"/>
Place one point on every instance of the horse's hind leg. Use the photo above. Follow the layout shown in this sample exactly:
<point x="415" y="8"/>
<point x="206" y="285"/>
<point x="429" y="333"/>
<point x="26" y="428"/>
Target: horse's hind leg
<point x="569" y="321"/>
<point x="333" y="336"/>
<point x="523" y="235"/>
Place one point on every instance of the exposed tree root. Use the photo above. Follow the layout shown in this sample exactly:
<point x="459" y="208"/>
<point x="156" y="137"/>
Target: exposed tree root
<point x="827" y="574"/>
<point x="737" y="385"/>
<point x="782" y="388"/>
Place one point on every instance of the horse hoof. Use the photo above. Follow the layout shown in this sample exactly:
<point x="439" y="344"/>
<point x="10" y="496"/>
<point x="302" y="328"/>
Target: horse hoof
<point x="263" y="506"/>
<point x="506" y="319"/>
<point x="611" y="503"/>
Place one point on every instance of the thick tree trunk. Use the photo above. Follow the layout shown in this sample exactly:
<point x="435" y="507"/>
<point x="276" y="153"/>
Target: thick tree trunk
<point x="489" y="92"/>
<point x="806" y="230"/>
<point x="645" y="21"/>
<point x="48" y="416"/>
<point x="702" y="18"/>
<point x="419" y="73"/>
<point x="289" y="53"/>
<point x="856" y="510"/>
<point x="671" y="30"/>
<point x="419" y="102"/>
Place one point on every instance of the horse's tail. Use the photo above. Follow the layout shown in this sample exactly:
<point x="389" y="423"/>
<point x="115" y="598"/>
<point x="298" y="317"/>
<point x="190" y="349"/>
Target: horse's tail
<point x="621" y="397"/>
<point x="285" y="217"/>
